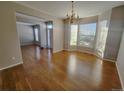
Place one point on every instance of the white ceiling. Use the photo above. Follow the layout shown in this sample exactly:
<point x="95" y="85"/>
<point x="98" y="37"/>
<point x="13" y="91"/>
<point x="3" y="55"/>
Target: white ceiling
<point x="60" y="8"/>
<point x="22" y="18"/>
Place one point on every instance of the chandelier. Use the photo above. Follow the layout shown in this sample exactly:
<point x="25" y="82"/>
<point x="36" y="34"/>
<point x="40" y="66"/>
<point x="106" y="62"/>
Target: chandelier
<point x="72" y="18"/>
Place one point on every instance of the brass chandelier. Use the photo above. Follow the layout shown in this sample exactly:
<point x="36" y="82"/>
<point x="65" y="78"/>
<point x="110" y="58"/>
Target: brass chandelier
<point x="73" y="18"/>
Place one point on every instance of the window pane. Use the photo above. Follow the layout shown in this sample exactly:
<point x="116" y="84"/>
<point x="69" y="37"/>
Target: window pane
<point x="48" y="38"/>
<point x="49" y="26"/>
<point x="73" y="39"/>
<point x="36" y="34"/>
<point x="87" y="34"/>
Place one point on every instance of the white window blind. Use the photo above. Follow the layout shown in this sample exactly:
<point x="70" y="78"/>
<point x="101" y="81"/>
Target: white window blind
<point x="87" y="35"/>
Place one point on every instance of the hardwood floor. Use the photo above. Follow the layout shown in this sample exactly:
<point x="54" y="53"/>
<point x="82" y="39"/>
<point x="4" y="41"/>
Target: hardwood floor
<point x="60" y="71"/>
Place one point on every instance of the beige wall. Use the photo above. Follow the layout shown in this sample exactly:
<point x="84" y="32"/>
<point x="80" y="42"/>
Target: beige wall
<point x="10" y="46"/>
<point x="120" y="61"/>
<point x="9" y="37"/>
<point x="114" y="33"/>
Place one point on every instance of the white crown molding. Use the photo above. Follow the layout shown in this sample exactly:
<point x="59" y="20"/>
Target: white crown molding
<point x="34" y="9"/>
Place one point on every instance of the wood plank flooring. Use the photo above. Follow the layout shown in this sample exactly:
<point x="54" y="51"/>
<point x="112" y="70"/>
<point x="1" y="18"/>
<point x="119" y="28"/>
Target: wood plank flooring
<point x="43" y="70"/>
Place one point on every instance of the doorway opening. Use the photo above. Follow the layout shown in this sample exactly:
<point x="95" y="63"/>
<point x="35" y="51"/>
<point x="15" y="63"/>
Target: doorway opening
<point x="33" y="31"/>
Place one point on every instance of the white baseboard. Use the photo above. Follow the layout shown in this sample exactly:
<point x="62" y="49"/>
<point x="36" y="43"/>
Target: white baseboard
<point x="70" y="50"/>
<point x="109" y="60"/>
<point x="10" y="66"/>
<point x="85" y="52"/>
<point x="92" y="54"/>
<point x="57" y="51"/>
<point x="119" y="76"/>
<point x="27" y="43"/>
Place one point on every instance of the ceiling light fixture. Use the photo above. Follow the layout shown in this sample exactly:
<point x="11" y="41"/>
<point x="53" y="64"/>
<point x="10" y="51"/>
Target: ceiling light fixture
<point x="73" y="18"/>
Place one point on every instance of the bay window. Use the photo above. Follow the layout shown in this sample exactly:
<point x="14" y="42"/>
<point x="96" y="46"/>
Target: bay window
<point x="86" y="35"/>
